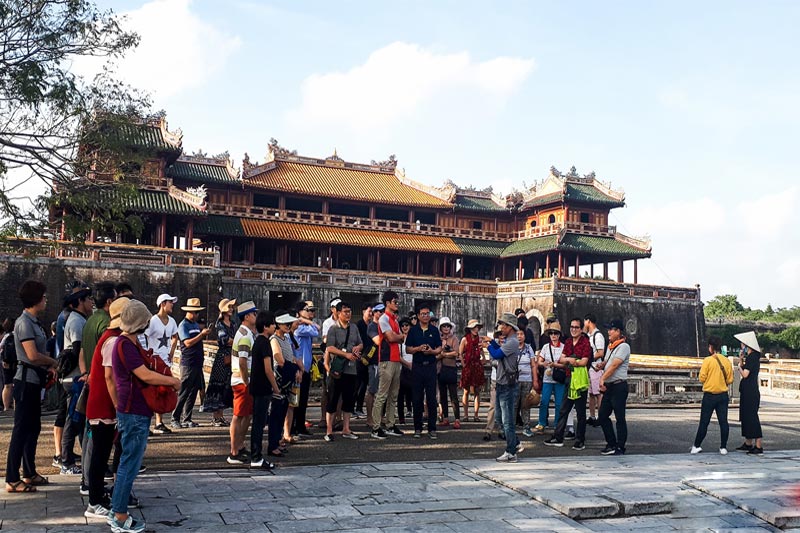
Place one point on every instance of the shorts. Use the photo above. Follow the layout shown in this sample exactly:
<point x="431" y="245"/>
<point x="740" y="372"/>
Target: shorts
<point x="242" y="401"/>
<point x="594" y="381"/>
<point x="8" y="376"/>
<point x="372" y="387"/>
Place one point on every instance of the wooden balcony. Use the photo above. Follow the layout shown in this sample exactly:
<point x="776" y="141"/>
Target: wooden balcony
<point x="593" y="286"/>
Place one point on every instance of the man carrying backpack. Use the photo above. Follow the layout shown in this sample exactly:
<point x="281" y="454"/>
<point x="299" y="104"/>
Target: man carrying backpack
<point x="598" y="344"/>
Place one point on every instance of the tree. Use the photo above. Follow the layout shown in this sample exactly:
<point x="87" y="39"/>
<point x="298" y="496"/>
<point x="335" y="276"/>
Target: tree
<point x="47" y="112"/>
<point x="724" y="305"/>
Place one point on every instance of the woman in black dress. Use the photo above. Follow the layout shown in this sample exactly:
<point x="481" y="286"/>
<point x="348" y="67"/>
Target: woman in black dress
<point x="749" y="394"/>
<point x="218" y="393"/>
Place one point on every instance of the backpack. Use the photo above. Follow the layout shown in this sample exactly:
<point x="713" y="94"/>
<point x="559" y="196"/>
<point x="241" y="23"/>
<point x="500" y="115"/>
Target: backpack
<point x="8" y="351"/>
<point x="592" y="341"/>
<point x="67" y="362"/>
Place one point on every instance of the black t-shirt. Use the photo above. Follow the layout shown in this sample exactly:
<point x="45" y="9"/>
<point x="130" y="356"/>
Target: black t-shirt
<point x="365" y="338"/>
<point x="752" y="363"/>
<point x="259" y="384"/>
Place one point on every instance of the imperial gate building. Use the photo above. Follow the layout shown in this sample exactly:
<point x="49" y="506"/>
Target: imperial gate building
<point x="293" y="227"/>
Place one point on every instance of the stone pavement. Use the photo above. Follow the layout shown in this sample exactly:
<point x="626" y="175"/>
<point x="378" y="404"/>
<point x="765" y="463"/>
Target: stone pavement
<point x="706" y="492"/>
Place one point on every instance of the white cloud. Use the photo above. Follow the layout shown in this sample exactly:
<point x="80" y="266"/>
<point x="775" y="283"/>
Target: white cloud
<point x="178" y="50"/>
<point x="397" y="79"/>
<point x="789" y="272"/>
<point x="768" y="215"/>
<point x="697" y="216"/>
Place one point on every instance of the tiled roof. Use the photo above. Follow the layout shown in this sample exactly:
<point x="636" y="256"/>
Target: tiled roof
<point x="608" y="246"/>
<point x="162" y="203"/>
<point x="200" y="172"/>
<point x="220" y="225"/>
<point x="298" y="232"/>
<point x="472" y="203"/>
<point x="591" y="195"/>
<point x="480" y="248"/>
<point x="147" y="136"/>
<point x="342" y="183"/>
<point x="554" y="198"/>
<point x="531" y="246"/>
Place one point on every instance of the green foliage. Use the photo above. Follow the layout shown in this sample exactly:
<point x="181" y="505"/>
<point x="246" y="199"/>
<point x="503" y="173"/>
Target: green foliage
<point x="728" y="306"/>
<point x="724" y="305"/>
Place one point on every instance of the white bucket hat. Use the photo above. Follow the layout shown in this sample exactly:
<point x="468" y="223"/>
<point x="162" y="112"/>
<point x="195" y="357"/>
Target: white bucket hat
<point x="444" y="321"/>
<point x="748" y="338"/>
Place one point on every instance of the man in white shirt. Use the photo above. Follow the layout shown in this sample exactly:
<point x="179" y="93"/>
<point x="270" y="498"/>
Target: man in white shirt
<point x="598" y="344"/>
<point x="162" y="336"/>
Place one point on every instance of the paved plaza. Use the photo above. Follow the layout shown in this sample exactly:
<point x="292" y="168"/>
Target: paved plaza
<point x="705" y="492"/>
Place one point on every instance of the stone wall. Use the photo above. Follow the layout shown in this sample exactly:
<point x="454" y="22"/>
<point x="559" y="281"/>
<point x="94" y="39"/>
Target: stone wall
<point x="148" y="282"/>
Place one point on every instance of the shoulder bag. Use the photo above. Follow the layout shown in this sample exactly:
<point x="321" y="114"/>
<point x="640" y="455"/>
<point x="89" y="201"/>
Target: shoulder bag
<point x="339" y="362"/>
<point x="159" y="398"/>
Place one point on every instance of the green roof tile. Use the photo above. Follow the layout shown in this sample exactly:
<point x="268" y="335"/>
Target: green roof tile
<point x="147" y="136"/>
<point x="609" y="246"/>
<point x="480" y="248"/>
<point x="155" y="202"/>
<point x="200" y="172"/>
<point x="471" y="203"/>
<point x="219" y="225"/>
<point x="590" y="195"/>
<point x="530" y="246"/>
<point x="553" y="198"/>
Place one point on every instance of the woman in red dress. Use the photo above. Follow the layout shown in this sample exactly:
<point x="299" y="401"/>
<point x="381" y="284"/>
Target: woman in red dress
<point x="472" y="375"/>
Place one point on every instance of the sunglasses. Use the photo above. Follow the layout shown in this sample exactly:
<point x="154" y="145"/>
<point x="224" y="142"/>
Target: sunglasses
<point x="574" y="327"/>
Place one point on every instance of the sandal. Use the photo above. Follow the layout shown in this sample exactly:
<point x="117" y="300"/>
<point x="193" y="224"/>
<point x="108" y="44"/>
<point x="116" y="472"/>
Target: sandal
<point x="276" y="453"/>
<point x="38" y="480"/>
<point x="15" y="487"/>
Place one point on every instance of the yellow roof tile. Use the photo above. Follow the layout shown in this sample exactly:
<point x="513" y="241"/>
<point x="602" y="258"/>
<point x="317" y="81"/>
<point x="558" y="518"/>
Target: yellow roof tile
<point x="343" y="183"/>
<point x="291" y="231"/>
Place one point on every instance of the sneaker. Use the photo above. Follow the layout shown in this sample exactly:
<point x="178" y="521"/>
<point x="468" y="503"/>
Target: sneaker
<point x="131" y="525"/>
<point x="409" y="414"/>
<point x="591" y="421"/>
<point x="505" y="457"/>
<point x="552" y="441"/>
<point x="73" y="470"/>
<point x="756" y="451"/>
<point x="190" y="424"/>
<point x="259" y="462"/>
<point x="695" y="450"/>
<point x="394" y="431"/>
<point x="445" y="422"/>
<point x="608" y="450"/>
<point x="244" y="452"/>
<point x="579" y="445"/>
<point x="237" y="459"/>
<point x="520" y="448"/>
<point x="142" y="469"/>
<point x="351" y="436"/>
<point x="570" y="435"/>
<point x="723" y="451"/>
<point x="619" y="451"/>
<point x="109" y="475"/>
<point x="378" y="434"/>
<point x="220" y="423"/>
<point x="161" y="429"/>
<point x="57" y="461"/>
<point x="457" y="424"/>
<point x="539" y="429"/>
<point x="527" y="432"/>
<point x="150" y="433"/>
<point x="432" y="435"/>
<point x="96" y="511"/>
<point x="84" y="490"/>
<point x="359" y="415"/>
<point x="175" y="425"/>
<point x="743" y="448"/>
<point x="417" y="434"/>
<point x="328" y="438"/>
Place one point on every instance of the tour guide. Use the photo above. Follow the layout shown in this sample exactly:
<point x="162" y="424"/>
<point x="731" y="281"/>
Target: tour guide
<point x="507" y="375"/>
<point x="614" y="386"/>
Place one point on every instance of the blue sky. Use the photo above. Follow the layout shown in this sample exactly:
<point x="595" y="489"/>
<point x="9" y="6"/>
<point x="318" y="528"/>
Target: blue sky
<point x="690" y="107"/>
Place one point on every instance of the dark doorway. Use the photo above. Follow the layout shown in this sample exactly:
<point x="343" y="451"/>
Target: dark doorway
<point x="357" y="299"/>
<point x="283" y="300"/>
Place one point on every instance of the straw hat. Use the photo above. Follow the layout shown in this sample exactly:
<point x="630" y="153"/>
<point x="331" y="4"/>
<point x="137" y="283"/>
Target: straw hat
<point x="748" y="338"/>
<point x="553" y="327"/>
<point x="117" y="306"/>
<point x="246" y="308"/>
<point x="225" y="305"/>
<point x="135" y="317"/>
<point x="509" y="319"/>
<point x="192" y="304"/>
<point x="474" y="323"/>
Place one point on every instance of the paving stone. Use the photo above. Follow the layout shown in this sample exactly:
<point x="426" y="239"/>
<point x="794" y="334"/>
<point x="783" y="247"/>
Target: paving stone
<point x="574" y="507"/>
<point x="303" y="526"/>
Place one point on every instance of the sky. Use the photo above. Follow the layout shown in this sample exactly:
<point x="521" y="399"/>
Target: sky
<point x="691" y="108"/>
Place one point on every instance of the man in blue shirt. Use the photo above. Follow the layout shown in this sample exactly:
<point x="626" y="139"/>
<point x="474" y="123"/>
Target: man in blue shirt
<point x="305" y="334"/>
<point x="191" y="336"/>
<point x="507" y="357"/>
<point x="424" y="344"/>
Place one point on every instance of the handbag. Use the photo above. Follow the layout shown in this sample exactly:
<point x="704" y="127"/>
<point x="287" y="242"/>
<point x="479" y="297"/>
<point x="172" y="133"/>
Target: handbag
<point x="532" y="399"/>
<point x="159" y="398"/>
<point x="80" y="405"/>
<point x="559" y="374"/>
<point x="339" y="362"/>
<point x="285" y="376"/>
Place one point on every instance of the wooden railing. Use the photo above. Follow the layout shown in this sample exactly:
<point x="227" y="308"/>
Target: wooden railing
<point x="109" y="252"/>
<point x="591" y="286"/>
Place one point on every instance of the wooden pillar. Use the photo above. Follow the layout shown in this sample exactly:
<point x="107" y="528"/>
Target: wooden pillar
<point x="591" y="270"/>
<point x="605" y="270"/>
<point x="162" y="232"/>
<point x="560" y="266"/>
<point x="462" y="267"/>
<point x="503" y="277"/>
<point x="547" y="265"/>
<point x="416" y="269"/>
<point x="377" y="261"/>
<point x="411" y="216"/>
<point x="444" y="266"/>
<point x="189" y="234"/>
<point x="282" y="203"/>
<point x="620" y="272"/>
<point x="330" y="255"/>
<point x="372" y="212"/>
<point x="251" y="251"/>
<point x="325" y="208"/>
<point x="229" y="249"/>
<point x="577" y="265"/>
<point x="519" y="271"/>
<point x="635" y="271"/>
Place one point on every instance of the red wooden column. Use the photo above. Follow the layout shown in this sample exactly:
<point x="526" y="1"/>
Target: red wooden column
<point x="547" y="266"/>
<point x="620" y="272"/>
<point x="462" y="267"/>
<point x="444" y="266"/>
<point x="519" y="271"/>
<point x="560" y="266"/>
<point x="189" y="234"/>
<point x="591" y="270"/>
<point x="251" y="252"/>
<point x="330" y="255"/>
<point x="577" y="265"/>
<point x="377" y="261"/>
<point x="536" y="270"/>
<point x="162" y="232"/>
<point x="605" y="270"/>
<point x="416" y="270"/>
<point x="635" y="271"/>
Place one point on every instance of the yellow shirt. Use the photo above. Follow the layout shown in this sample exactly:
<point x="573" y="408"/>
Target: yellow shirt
<point x="711" y="375"/>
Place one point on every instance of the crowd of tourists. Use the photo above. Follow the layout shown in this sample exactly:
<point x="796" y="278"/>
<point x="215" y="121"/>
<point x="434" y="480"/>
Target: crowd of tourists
<point x="108" y="353"/>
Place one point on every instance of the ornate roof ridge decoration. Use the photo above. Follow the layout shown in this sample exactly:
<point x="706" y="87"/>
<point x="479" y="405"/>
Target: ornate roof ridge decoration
<point x="540" y="189"/>
<point x="446" y="192"/>
<point x="159" y="120"/>
<point x="222" y="159"/>
<point x="643" y="242"/>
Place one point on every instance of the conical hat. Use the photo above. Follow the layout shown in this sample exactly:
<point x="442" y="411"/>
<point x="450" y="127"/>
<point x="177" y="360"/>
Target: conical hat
<point x="749" y="339"/>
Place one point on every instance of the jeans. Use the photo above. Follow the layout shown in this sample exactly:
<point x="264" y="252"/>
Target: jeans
<point x="102" y="438"/>
<point x="548" y="390"/>
<point x="614" y="399"/>
<point x="507" y="404"/>
<point x="423" y="383"/>
<point x="191" y="383"/>
<point x="579" y="404"/>
<point x="299" y="421"/>
<point x="524" y="388"/>
<point x="25" y="433"/>
<point x="388" y="386"/>
<point x="133" y="430"/>
<point x="713" y="403"/>
<point x="260" y="411"/>
<point x="448" y="383"/>
<point x="493" y="417"/>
